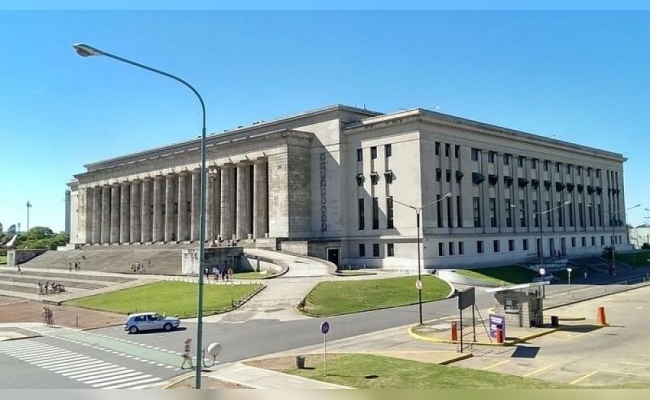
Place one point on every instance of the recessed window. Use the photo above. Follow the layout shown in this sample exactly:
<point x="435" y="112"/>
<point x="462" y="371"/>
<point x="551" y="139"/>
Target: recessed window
<point x="506" y="159"/>
<point x="456" y="151"/>
<point x="447" y="146"/>
<point x="496" y="245"/>
<point x="362" y="250"/>
<point x="390" y="250"/>
<point x="441" y="249"/>
<point x="362" y="219"/>
<point x="375" y="249"/>
<point x="360" y="179"/>
<point x="479" y="246"/>
<point x="375" y="213"/>
<point x="359" y="155"/>
<point x="520" y="161"/>
<point x="525" y="244"/>
<point x="388" y="150"/>
<point x="389" y="213"/>
<point x="373" y="152"/>
<point x="374" y="178"/>
<point x="461" y="248"/>
<point x="533" y="163"/>
<point x="491" y="156"/>
<point x="437" y="148"/>
<point x="511" y="245"/>
<point x="475" y="154"/>
<point x="451" y="248"/>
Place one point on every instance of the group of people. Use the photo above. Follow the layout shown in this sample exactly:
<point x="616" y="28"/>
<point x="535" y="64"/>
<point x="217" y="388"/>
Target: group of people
<point x="138" y="267"/>
<point x="223" y="272"/>
<point x="50" y="288"/>
<point x="48" y="318"/>
<point x="76" y="265"/>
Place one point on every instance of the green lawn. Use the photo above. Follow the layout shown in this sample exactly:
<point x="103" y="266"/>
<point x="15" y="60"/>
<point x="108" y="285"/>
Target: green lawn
<point x="171" y="298"/>
<point x="253" y="275"/>
<point x="3" y="259"/>
<point x="346" y="297"/>
<point x="637" y="259"/>
<point x="366" y="371"/>
<point x="506" y="275"/>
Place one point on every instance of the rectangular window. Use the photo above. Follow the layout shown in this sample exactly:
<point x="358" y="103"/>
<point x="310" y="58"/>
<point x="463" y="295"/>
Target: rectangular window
<point x="491" y="156"/>
<point x="506" y="159"/>
<point x="390" y="250"/>
<point x="475" y="154"/>
<point x="450" y="217"/>
<point x="476" y="211"/>
<point x="362" y="221"/>
<point x="459" y="212"/>
<point x="602" y="240"/>
<point x="525" y="244"/>
<point x="441" y="249"/>
<point x="557" y="167"/>
<point x="439" y="210"/>
<point x="389" y="213"/>
<point x="591" y="216"/>
<point x="375" y="249"/>
<point x="579" y="170"/>
<point x="359" y="155"/>
<point x="573" y="242"/>
<point x="492" y="203"/>
<point x="447" y="146"/>
<point x="373" y="152"/>
<point x="438" y="174"/>
<point x="511" y="245"/>
<point x="479" y="246"/>
<point x="536" y="211"/>
<point x="456" y="151"/>
<point x="388" y="150"/>
<point x="461" y="248"/>
<point x="560" y="214"/>
<point x="533" y="163"/>
<point x="362" y="250"/>
<point x="546" y="165"/>
<point x="522" y="213"/>
<point x="568" y="168"/>
<point x="451" y="248"/>
<point x="584" y="241"/>
<point x="496" y="246"/>
<point x="521" y="161"/>
<point x="571" y="218"/>
<point x="549" y="215"/>
<point x="593" y="240"/>
<point x="508" y="213"/>
<point x="581" y="214"/>
<point x="437" y="148"/>
<point x="375" y="213"/>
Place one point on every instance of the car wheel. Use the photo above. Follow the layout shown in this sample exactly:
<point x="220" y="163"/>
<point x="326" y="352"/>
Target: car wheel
<point x="167" y="327"/>
<point x="133" y="329"/>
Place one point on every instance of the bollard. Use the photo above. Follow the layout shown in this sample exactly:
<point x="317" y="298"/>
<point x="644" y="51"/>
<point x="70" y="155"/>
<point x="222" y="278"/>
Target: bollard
<point x="454" y="330"/>
<point x="499" y="334"/>
<point x="601" y="316"/>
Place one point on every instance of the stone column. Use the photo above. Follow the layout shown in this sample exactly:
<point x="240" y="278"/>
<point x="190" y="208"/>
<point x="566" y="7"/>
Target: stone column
<point x="216" y="207"/>
<point x="196" y="205"/>
<point x="243" y="201"/>
<point x="97" y="215"/>
<point x="260" y="199"/>
<point x="125" y="213"/>
<point x="226" y="202"/>
<point x="158" y="210"/>
<point x="115" y="213"/>
<point x="135" y="212"/>
<point x="171" y="208"/>
<point x="183" y="207"/>
<point x="146" y="211"/>
<point x="106" y="214"/>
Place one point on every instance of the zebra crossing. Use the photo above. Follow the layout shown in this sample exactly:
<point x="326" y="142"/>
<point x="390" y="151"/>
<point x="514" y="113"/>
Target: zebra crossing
<point x="71" y="365"/>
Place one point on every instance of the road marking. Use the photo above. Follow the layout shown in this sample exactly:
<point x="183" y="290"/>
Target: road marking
<point x="538" y="370"/>
<point x="626" y="373"/>
<point x="583" y="378"/>
<point x="495" y="365"/>
<point x="633" y="363"/>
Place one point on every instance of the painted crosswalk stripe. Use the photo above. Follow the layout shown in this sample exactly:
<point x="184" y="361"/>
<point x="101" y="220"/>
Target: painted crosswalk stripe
<point x="79" y="367"/>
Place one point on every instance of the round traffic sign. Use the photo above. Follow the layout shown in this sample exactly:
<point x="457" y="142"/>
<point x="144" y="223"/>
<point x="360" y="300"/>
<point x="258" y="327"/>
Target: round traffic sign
<point x="542" y="271"/>
<point x="418" y="285"/>
<point x="324" y="327"/>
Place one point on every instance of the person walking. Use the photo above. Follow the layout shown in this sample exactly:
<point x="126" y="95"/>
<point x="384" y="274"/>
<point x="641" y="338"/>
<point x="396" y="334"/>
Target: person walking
<point x="585" y="273"/>
<point x="187" y="358"/>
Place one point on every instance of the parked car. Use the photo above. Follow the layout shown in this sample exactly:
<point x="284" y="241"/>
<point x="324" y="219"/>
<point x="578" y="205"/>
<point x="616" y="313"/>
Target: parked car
<point x="150" y="321"/>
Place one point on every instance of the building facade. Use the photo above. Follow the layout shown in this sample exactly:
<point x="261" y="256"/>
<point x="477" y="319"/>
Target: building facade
<point x="337" y="183"/>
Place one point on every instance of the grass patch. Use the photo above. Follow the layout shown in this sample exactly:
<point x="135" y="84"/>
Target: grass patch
<point x="353" y="370"/>
<point x="253" y="275"/>
<point x="346" y="297"/>
<point x="505" y="275"/>
<point x="636" y="259"/>
<point x="3" y="259"/>
<point x="171" y="298"/>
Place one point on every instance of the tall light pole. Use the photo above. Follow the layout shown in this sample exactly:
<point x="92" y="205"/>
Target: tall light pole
<point x="28" y="205"/>
<point x="418" y="210"/>
<point x="538" y="215"/>
<point x="86" y="51"/>
<point x="614" y="233"/>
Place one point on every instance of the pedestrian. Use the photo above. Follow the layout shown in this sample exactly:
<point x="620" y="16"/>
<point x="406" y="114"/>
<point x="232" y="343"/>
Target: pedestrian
<point x="230" y="273"/>
<point x="585" y="273"/>
<point x="187" y="358"/>
<point x="45" y="287"/>
<point x="19" y="271"/>
<point x="70" y="267"/>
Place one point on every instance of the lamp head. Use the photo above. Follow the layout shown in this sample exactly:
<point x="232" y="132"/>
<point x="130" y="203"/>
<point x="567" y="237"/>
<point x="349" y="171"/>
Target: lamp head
<point x="448" y="195"/>
<point x="86" y="51"/>
<point x="568" y="202"/>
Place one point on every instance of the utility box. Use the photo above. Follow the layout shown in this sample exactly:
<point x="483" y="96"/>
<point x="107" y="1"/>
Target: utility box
<point x="521" y="305"/>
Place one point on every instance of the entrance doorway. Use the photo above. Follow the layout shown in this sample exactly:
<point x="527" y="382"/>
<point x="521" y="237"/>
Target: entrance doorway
<point x="333" y="255"/>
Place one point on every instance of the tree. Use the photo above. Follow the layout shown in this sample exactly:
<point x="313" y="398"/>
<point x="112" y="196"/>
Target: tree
<point x="646" y="246"/>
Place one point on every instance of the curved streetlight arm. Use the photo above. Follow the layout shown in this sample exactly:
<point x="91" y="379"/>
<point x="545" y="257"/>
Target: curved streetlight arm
<point x="85" y="50"/>
<point x="418" y="209"/>
<point x="566" y="203"/>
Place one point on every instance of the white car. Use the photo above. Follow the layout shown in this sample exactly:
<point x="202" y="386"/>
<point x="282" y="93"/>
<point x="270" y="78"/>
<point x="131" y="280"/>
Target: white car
<point x="150" y="321"/>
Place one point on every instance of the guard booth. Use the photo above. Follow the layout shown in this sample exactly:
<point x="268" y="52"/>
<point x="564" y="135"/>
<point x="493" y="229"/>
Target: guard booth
<point x="521" y="305"/>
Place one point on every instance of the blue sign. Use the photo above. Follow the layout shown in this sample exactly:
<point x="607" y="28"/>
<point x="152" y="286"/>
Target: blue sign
<point x="495" y="320"/>
<point x="325" y="327"/>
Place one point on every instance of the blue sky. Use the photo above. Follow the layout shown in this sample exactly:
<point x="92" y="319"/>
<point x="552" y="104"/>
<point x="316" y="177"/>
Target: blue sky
<point x="578" y="76"/>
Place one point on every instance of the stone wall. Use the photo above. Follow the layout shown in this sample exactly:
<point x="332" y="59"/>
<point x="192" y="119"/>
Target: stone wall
<point x="16" y="257"/>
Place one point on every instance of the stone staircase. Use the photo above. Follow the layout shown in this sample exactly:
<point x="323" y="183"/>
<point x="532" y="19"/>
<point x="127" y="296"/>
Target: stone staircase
<point x="162" y="260"/>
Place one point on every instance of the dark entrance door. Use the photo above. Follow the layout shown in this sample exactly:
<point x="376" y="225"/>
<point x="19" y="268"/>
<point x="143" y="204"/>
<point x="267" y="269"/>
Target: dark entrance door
<point x="333" y="256"/>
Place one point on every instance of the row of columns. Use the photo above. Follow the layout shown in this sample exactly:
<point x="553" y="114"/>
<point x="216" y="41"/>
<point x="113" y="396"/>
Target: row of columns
<point x="165" y="208"/>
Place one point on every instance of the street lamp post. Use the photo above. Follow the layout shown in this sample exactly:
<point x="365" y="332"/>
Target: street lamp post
<point x="86" y="51"/>
<point x="568" y="270"/>
<point x="613" y="267"/>
<point x="418" y="211"/>
<point x="28" y="205"/>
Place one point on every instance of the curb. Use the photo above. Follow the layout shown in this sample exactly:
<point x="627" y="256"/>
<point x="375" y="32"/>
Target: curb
<point x="456" y="359"/>
<point x="504" y="344"/>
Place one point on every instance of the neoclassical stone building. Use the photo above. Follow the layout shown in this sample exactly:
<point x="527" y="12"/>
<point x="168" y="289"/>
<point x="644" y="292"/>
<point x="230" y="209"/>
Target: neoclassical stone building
<point x="333" y="183"/>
